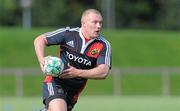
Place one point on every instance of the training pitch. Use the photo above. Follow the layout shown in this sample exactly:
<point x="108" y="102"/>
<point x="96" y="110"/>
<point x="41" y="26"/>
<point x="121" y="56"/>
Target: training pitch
<point x="99" y="103"/>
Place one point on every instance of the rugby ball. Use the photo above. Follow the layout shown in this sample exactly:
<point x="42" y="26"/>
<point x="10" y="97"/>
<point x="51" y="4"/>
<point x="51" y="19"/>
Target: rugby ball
<point x="53" y="66"/>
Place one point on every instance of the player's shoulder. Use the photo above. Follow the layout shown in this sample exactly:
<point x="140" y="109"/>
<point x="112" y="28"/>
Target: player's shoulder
<point x="103" y="40"/>
<point x="68" y="29"/>
<point x="73" y="29"/>
<point x="63" y="30"/>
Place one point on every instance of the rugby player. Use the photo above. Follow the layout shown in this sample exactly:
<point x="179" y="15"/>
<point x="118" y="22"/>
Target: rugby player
<point x="86" y="54"/>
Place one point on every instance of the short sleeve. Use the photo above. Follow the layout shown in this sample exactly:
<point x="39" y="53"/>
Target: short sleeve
<point x="55" y="37"/>
<point x="105" y="56"/>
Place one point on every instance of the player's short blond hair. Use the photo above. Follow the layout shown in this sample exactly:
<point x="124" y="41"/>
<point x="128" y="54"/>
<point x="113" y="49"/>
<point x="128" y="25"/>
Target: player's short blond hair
<point x="86" y="12"/>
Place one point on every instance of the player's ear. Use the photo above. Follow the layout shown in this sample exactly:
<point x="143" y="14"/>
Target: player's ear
<point x="82" y="24"/>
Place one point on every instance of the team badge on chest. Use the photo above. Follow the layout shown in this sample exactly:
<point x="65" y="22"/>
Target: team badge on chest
<point x="94" y="51"/>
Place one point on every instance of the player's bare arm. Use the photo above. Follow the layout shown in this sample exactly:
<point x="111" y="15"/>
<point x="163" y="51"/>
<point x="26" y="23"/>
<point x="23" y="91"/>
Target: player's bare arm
<point x="39" y="44"/>
<point x="99" y="72"/>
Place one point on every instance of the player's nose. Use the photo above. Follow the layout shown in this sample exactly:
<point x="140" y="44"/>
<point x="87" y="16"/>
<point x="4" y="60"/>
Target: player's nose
<point x="99" y="25"/>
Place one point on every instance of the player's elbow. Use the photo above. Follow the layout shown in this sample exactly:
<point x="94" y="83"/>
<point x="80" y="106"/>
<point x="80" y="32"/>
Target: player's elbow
<point x="35" y="41"/>
<point x="40" y="40"/>
<point x="103" y="74"/>
<point x="104" y="70"/>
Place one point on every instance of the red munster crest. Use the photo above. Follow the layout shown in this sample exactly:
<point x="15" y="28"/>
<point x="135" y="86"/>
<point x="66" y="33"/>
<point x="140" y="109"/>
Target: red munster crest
<point x="94" y="51"/>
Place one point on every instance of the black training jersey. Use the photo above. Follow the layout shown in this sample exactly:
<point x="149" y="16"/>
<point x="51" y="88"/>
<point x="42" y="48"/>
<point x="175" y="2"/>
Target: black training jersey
<point x="79" y="53"/>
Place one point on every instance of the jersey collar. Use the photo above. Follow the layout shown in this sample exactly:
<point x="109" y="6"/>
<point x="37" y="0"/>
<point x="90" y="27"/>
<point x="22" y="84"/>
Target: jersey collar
<point x="84" y="44"/>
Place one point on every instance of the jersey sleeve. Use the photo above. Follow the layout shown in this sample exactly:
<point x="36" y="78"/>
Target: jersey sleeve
<point x="105" y="56"/>
<point x="56" y="37"/>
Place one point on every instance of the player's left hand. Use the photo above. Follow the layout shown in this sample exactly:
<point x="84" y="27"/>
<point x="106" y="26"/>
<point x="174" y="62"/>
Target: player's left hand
<point x="71" y="72"/>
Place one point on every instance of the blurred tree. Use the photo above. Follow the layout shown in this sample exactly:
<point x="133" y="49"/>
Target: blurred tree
<point x="136" y="13"/>
<point x="169" y="14"/>
<point x="128" y="13"/>
<point x="87" y="2"/>
<point x="75" y="9"/>
<point x="48" y="12"/>
<point x="9" y="12"/>
<point x="58" y="12"/>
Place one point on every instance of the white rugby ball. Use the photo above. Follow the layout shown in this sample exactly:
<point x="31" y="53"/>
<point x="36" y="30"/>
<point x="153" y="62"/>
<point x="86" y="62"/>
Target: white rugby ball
<point x="53" y="66"/>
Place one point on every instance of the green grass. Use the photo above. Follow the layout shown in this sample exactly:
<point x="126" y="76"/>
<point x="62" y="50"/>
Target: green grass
<point x="141" y="84"/>
<point x="174" y="84"/>
<point x="129" y="47"/>
<point x="17" y="47"/>
<point x="145" y="48"/>
<point x="99" y="103"/>
<point x="130" y="84"/>
<point x="128" y="104"/>
<point x="32" y="84"/>
<point x="99" y="87"/>
<point x="7" y="85"/>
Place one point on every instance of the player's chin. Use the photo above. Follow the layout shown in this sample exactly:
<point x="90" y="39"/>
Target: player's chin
<point x="96" y="35"/>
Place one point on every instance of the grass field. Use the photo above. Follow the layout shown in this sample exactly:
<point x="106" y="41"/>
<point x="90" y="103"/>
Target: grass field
<point x="99" y="103"/>
<point x="131" y="84"/>
<point x="130" y="47"/>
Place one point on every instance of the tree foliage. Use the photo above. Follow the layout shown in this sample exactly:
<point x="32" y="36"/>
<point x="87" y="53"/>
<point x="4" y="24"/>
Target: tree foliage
<point x="163" y="14"/>
<point x="9" y="14"/>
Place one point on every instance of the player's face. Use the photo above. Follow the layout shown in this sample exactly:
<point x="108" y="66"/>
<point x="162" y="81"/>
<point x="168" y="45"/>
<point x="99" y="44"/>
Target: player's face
<point x="93" y="25"/>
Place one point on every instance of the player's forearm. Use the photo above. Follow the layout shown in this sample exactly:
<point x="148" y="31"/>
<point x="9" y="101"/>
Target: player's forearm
<point x="99" y="72"/>
<point x="39" y="44"/>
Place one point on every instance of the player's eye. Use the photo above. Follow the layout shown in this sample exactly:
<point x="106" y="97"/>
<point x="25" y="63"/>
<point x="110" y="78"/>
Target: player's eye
<point x="100" y="22"/>
<point x="94" y="22"/>
<point x="97" y="22"/>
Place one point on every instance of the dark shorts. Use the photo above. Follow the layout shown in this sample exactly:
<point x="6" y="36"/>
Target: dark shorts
<point x="51" y="91"/>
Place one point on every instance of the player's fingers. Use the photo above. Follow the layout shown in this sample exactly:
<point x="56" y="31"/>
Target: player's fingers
<point x="70" y="69"/>
<point x="66" y="71"/>
<point x="67" y="76"/>
<point x="63" y="74"/>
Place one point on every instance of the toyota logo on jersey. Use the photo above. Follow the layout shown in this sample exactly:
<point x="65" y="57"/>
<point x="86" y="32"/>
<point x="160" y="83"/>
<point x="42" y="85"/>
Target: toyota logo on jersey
<point x="78" y="59"/>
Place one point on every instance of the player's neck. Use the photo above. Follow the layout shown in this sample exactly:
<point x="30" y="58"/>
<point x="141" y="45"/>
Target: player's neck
<point x="87" y="38"/>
